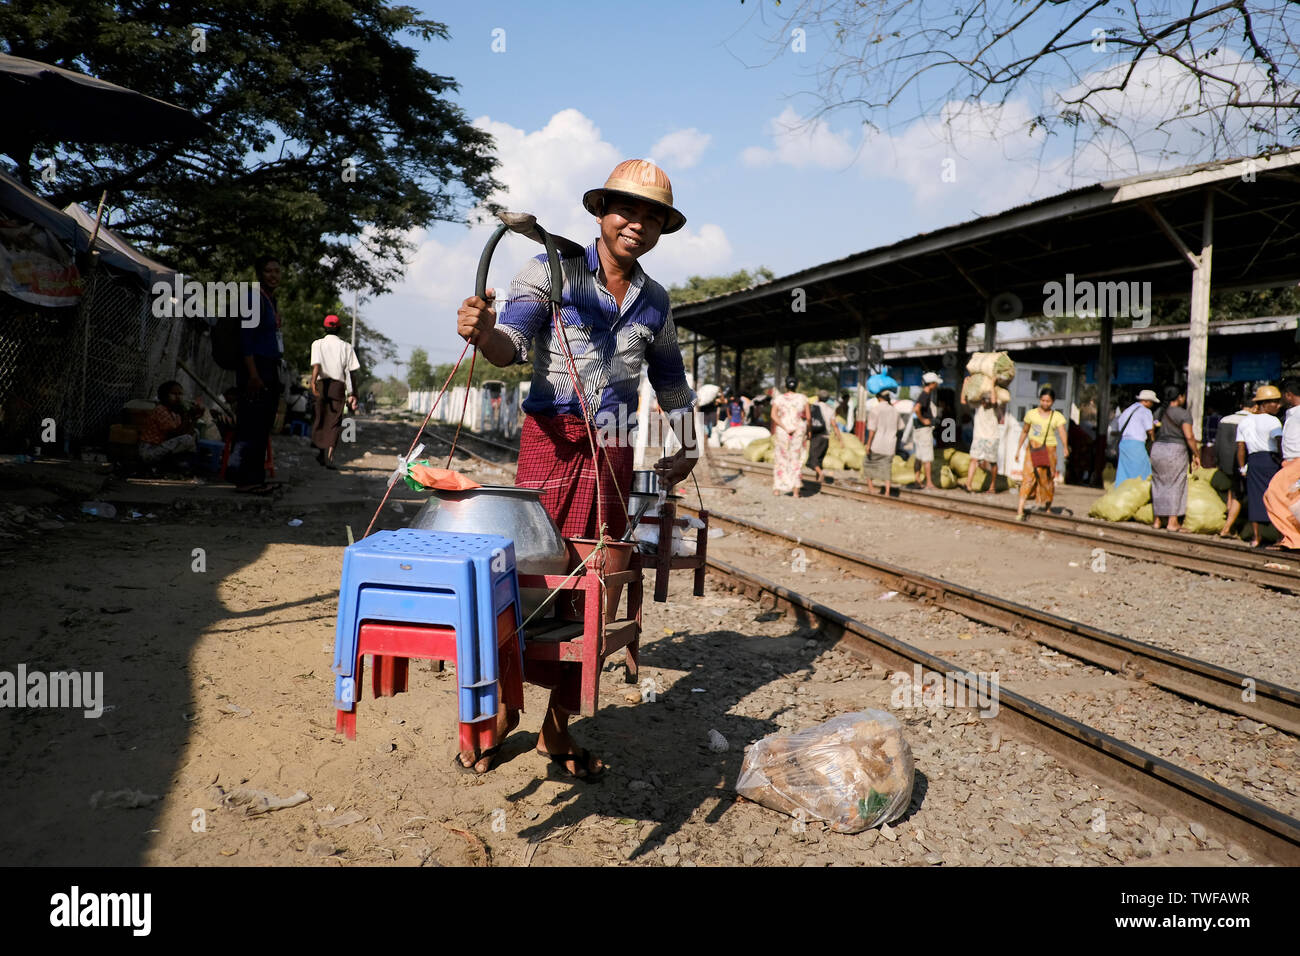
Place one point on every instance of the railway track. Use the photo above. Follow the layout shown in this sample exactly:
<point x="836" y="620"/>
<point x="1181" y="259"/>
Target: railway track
<point x="1268" y="834"/>
<point x="1220" y="558"/>
<point x="1198" y="680"/>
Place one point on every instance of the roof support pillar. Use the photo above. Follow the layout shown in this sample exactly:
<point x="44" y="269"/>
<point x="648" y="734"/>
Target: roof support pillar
<point x="860" y="413"/>
<point x="792" y="360"/>
<point x="740" y="355"/>
<point x="963" y="344"/>
<point x="990" y="329"/>
<point x="778" y="363"/>
<point x="1199" y="333"/>
<point x="717" y="363"/>
<point x="1104" y="363"/>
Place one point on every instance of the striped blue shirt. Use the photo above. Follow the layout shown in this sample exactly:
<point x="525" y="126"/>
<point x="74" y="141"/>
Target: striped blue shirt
<point x="609" y="344"/>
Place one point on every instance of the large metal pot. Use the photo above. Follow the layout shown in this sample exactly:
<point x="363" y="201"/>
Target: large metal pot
<point x="514" y="513"/>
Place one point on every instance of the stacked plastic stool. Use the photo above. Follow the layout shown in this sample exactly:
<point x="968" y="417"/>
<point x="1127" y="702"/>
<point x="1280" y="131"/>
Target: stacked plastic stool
<point x="438" y="596"/>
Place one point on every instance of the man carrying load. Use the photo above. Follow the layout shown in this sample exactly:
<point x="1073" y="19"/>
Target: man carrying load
<point x="617" y="319"/>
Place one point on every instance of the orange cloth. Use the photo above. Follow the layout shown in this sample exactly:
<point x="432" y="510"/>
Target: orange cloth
<point x="441" y="478"/>
<point x="1282" y="502"/>
<point x="161" y="424"/>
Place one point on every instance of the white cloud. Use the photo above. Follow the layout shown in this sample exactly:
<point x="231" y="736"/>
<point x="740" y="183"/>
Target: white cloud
<point x="799" y="142"/>
<point x="544" y="172"/>
<point x="680" y="149"/>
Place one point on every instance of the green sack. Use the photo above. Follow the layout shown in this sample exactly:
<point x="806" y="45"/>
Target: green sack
<point x="1122" y="503"/>
<point x="1215" y="478"/>
<point x="832" y="460"/>
<point x="901" y="472"/>
<point x="758" y="449"/>
<point x="1206" y="511"/>
<point x="959" y="462"/>
<point x="851" y="442"/>
<point x="852" y="459"/>
<point x="946" y="478"/>
<point x="981" y="481"/>
<point x="1145" y="515"/>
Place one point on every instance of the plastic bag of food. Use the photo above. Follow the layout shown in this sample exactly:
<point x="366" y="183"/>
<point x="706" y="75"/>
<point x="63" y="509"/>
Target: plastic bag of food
<point x="1145" y="515"/>
<point x="852" y="442"/>
<point x="1215" y="478"/>
<point x="755" y="450"/>
<point x="706" y="395"/>
<point x="852" y="458"/>
<point x="421" y="474"/>
<point x="946" y="478"/>
<point x="959" y="462"/>
<point x="1206" y="511"/>
<point x="880" y="382"/>
<point x="832" y="460"/>
<point x="853" y="771"/>
<point x="1122" y="503"/>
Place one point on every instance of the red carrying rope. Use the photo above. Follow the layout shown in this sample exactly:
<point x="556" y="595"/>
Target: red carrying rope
<point x="420" y="430"/>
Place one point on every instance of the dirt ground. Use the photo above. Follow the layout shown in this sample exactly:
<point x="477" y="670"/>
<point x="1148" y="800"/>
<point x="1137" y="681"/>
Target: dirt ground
<point x="211" y="617"/>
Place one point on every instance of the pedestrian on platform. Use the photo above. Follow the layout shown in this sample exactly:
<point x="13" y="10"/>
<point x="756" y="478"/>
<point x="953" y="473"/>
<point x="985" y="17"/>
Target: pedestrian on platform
<point x="1282" y="499"/>
<point x="790" y="439"/>
<point x="820" y="431"/>
<point x="1173" y="456"/>
<point x="926" y="413"/>
<point x="986" y="439"/>
<point x="1225" y="452"/>
<point x="618" y="320"/>
<point x="332" y="363"/>
<point x="1136" y="428"/>
<point x="882" y="440"/>
<point x="1259" y="440"/>
<point x="1043" y="427"/>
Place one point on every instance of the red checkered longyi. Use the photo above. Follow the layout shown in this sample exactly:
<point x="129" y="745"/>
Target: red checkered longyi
<point x="555" y="456"/>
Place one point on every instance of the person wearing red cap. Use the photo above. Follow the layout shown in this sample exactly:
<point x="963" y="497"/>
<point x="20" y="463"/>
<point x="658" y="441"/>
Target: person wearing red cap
<point x="332" y="363"/>
<point x="617" y="320"/>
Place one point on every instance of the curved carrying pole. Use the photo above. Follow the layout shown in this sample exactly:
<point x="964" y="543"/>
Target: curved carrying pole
<point x="552" y="258"/>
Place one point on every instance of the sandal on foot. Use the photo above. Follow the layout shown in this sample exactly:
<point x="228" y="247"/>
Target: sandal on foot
<point x="470" y="771"/>
<point x="581" y="761"/>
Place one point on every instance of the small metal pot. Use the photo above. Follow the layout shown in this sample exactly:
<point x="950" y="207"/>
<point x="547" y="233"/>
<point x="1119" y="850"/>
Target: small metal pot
<point x="645" y="482"/>
<point x="514" y="513"/>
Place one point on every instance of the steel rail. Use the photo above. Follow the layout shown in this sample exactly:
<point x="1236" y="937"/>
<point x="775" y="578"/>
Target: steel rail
<point x="1146" y="778"/>
<point x="1210" y="684"/>
<point x="1142" y="544"/>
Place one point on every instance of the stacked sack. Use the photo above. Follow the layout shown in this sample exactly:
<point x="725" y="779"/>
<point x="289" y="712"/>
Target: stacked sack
<point x="988" y="370"/>
<point x="1206" y="505"/>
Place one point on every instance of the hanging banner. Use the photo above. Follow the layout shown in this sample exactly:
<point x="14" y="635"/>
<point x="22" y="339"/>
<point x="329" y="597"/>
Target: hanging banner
<point x="35" y="268"/>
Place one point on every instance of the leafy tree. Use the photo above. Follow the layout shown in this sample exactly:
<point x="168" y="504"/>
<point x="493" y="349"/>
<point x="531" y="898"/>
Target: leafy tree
<point x="419" y="374"/>
<point x="706" y="287"/>
<point x="328" y="144"/>
<point x="1229" y="72"/>
<point x="1223" y="306"/>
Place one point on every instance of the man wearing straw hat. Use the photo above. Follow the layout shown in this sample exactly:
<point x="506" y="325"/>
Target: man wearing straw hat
<point x="615" y="320"/>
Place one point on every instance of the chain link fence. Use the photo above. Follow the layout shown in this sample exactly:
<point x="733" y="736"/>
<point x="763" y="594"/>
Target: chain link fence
<point x="76" y="368"/>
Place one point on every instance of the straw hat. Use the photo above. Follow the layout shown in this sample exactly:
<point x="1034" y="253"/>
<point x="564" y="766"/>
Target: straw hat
<point x="640" y="179"/>
<point x="1267" y="393"/>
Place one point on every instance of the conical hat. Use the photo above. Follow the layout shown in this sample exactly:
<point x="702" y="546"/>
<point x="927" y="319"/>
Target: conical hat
<point x="640" y="179"/>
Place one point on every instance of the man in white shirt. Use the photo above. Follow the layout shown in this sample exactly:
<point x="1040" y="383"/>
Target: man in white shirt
<point x="1258" y="438"/>
<point x="332" y="363"/>
<point x="1282" y="499"/>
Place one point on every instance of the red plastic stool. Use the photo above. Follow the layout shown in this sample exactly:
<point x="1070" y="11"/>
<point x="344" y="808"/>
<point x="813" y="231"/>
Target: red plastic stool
<point x="225" y="456"/>
<point x="393" y="645"/>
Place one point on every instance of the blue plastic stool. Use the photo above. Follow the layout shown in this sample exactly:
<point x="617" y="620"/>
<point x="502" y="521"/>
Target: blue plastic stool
<point x="460" y="581"/>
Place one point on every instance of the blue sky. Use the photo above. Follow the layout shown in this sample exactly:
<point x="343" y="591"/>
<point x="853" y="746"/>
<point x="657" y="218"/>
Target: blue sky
<point x="701" y="89"/>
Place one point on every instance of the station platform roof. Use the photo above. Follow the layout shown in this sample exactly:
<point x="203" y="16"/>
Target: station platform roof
<point x="1111" y="231"/>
